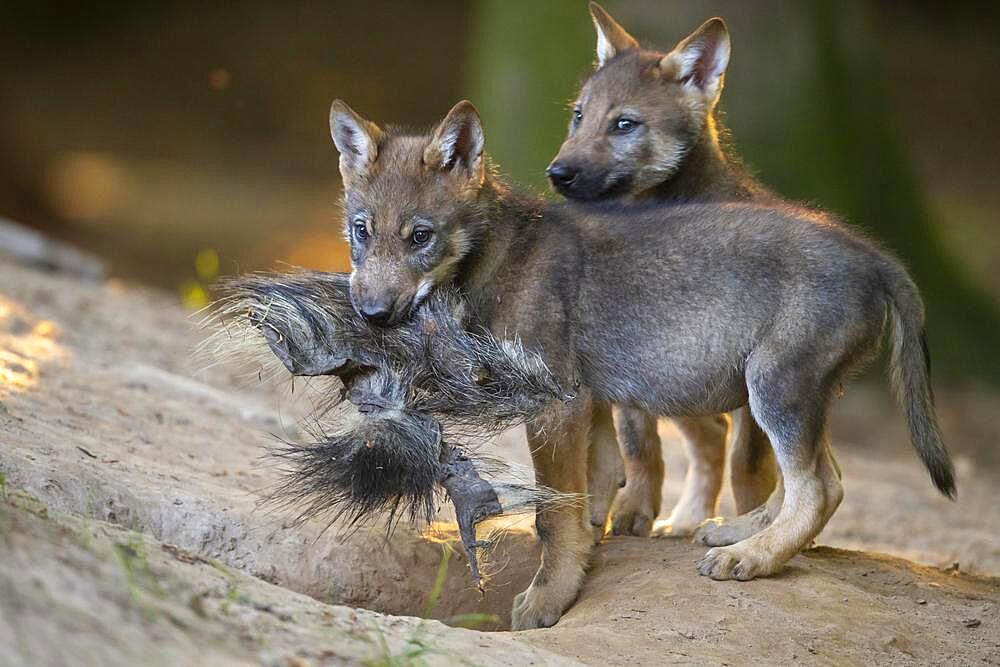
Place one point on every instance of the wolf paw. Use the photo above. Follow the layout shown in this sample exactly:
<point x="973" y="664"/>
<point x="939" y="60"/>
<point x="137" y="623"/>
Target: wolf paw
<point x="597" y="532"/>
<point x="542" y="606"/>
<point x="720" y="532"/>
<point x="717" y="532"/>
<point x="667" y="528"/>
<point x="638" y="523"/>
<point x="682" y="522"/>
<point x="600" y="505"/>
<point x="740" y="561"/>
<point x="638" y="505"/>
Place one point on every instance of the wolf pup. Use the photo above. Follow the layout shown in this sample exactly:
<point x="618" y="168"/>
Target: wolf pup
<point x="686" y="310"/>
<point x="640" y="134"/>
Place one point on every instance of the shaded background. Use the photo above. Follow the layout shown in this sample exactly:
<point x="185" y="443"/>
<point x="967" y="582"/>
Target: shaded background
<point x="181" y="140"/>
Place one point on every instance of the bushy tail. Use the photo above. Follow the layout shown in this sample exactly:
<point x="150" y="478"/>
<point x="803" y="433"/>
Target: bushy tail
<point x="911" y="370"/>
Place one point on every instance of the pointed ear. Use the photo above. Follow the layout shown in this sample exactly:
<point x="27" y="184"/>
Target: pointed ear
<point x="355" y="138"/>
<point x="700" y="60"/>
<point x="611" y="37"/>
<point x="457" y="144"/>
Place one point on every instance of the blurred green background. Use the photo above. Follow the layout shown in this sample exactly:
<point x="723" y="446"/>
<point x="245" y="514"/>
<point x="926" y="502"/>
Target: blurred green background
<point x="180" y="140"/>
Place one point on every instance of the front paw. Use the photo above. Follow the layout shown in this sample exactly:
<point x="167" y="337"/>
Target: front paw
<point x="636" y="510"/>
<point x="541" y="606"/>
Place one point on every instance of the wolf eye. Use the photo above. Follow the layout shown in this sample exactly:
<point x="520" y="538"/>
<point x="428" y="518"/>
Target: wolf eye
<point x="360" y="230"/>
<point x="421" y="236"/>
<point x="577" y="115"/>
<point x="625" y="125"/>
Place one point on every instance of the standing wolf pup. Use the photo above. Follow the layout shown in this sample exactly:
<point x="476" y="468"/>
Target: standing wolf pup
<point x="649" y="134"/>
<point x="693" y="309"/>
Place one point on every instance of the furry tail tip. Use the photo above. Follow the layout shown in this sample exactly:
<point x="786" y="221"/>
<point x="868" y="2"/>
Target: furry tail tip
<point x="911" y="381"/>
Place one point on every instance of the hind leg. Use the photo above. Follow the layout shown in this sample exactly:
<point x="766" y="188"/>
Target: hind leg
<point x="757" y="487"/>
<point x="705" y="445"/>
<point x="791" y="407"/>
<point x="752" y="468"/>
<point x="605" y="471"/>
<point x="808" y="506"/>
<point x="639" y="501"/>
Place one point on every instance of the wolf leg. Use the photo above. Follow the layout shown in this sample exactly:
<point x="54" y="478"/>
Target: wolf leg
<point x="791" y="406"/>
<point x="639" y="502"/>
<point x="810" y="501"/>
<point x="559" y="444"/>
<point x="606" y="473"/>
<point x="752" y="468"/>
<point x="705" y="444"/>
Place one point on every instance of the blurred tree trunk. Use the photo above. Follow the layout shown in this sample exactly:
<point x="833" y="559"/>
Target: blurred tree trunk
<point x="527" y="58"/>
<point x="848" y="127"/>
<point x="821" y="129"/>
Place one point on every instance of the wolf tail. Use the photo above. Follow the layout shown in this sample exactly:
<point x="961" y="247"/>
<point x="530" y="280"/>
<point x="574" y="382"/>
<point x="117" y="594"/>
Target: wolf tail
<point x="911" y="370"/>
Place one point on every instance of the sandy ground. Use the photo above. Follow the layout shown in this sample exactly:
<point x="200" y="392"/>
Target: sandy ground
<point x="141" y="470"/>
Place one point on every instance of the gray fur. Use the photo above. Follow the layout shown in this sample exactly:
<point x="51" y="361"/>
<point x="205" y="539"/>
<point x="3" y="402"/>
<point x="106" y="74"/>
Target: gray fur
<point x="692" y="309"/>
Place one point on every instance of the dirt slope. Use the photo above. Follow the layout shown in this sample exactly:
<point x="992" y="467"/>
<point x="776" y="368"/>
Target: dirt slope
<point x="126" y="449"/>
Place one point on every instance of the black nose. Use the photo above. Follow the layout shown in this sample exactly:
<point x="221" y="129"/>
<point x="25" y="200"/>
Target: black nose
<point x="561" y="174"/>
<point x="376" y="311"/>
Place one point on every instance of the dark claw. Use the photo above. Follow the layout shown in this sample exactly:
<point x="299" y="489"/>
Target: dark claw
<point x="474" y="499"/>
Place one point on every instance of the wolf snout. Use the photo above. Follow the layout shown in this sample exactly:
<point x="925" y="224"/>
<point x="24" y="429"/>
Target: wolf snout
<point x="377" y="310"/>
<point x="561" y="174"/>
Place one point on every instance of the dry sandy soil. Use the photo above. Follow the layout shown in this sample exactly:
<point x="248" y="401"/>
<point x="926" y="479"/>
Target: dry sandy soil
<point x="130" y="530"/>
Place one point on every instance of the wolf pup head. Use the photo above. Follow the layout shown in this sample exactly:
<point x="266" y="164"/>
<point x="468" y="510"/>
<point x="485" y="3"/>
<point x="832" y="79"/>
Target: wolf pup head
<point x="411" y="205"/>
<point x="640" y="112"/>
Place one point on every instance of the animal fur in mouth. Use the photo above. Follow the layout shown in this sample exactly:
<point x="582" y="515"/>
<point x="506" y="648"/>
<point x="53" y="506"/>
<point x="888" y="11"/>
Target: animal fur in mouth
<point x="419" y="394"/>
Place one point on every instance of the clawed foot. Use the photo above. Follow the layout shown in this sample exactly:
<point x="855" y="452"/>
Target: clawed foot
<point x="597" y="531"/>
<point x="541" y="606"/>
<point x="744" y="561"/>
<point x="682" y="522"/>
<point x="719" y="532"/>
<point x="637" y="523"/>
<point x="638" y="505"/>
<point x="605" y="486"/>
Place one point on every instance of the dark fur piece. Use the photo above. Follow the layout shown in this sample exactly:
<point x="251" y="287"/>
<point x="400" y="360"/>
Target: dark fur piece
<point x="466" y="378"/>
<point x="385" y="463"/>
<point x="407" y="389"/>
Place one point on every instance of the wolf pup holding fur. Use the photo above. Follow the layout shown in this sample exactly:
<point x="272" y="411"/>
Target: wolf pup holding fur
<point x="644" y="129"/>
<point x="686" y="310"/>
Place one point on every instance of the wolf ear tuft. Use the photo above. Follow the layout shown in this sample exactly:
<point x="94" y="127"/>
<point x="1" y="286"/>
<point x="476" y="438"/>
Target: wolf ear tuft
<point x="612" y="39"/>
<point x="355" y="138"/>
<point x="457" y="143"/>
<point x="700" y="60"/>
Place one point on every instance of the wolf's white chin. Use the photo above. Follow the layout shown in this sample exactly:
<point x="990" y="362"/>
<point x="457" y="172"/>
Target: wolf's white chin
<point x="425" y="287"/>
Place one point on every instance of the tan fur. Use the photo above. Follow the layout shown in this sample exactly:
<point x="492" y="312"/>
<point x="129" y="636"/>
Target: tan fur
<point x="705" y="444"/>
<point x="605" y="472"/>
<point x="638" y="502"/>
<point x="559" y="451"/>
<point x="752" y="468"/>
